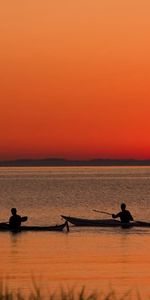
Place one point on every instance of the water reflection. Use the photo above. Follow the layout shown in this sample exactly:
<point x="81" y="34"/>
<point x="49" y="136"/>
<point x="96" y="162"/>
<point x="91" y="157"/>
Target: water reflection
<point x="15" y="242"/>
<point x="92" y="258"/>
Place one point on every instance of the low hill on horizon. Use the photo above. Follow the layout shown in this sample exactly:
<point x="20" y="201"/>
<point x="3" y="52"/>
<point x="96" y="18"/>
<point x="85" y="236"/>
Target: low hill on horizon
<point x="64" y="162"/>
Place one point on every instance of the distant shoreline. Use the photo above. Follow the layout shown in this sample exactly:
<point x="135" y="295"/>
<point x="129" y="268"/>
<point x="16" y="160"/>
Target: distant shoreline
<point x="48" y="162"/>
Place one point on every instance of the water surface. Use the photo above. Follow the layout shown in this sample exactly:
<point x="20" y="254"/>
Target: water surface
<point x="94" y="257"/>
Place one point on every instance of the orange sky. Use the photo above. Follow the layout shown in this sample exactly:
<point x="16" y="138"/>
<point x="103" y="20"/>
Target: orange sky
<point x="75" y="78"/>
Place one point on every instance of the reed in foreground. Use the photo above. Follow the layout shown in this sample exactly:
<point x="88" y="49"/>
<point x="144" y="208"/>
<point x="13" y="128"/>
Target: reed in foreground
<point x="71" y="294"/>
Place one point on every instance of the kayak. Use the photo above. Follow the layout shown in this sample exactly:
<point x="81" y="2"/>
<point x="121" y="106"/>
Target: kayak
<point x="104" y="222"/>
<point x="61" y="227"/>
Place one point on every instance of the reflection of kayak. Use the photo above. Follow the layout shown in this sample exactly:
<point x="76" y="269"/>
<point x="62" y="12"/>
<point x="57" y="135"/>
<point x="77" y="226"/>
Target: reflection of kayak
<point x="6" y="227"/>
<point x="104" y="222"/>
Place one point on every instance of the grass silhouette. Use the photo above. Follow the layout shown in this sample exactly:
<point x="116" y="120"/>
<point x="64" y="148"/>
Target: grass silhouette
<point x="70" y="294"/>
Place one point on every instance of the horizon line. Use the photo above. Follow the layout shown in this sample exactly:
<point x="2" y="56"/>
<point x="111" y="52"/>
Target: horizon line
<point x="74" y="162"/>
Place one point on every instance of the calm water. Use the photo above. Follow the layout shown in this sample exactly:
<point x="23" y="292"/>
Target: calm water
<point x="94" y="257"/>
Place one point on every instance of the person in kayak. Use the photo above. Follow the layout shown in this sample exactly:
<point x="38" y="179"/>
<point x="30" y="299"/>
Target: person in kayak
<point x="124" y="215"/>
<point x="16" y="220"/>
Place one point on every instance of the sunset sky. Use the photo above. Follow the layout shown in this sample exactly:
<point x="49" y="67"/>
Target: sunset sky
<point x="75" y="79"/>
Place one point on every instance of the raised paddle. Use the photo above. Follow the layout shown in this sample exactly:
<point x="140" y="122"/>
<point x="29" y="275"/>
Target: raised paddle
<point x="23" y="219"/>
<point x="102" y="212"/>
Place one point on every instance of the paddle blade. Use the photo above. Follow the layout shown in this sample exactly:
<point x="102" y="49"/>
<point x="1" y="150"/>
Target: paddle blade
<point x="24" y="219"/>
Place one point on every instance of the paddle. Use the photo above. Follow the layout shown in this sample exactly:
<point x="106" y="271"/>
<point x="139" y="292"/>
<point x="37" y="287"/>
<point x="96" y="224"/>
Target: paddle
<point x="4" y="223"/>
<point x="23" y="219"/>
<point x="102" y="212"/>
